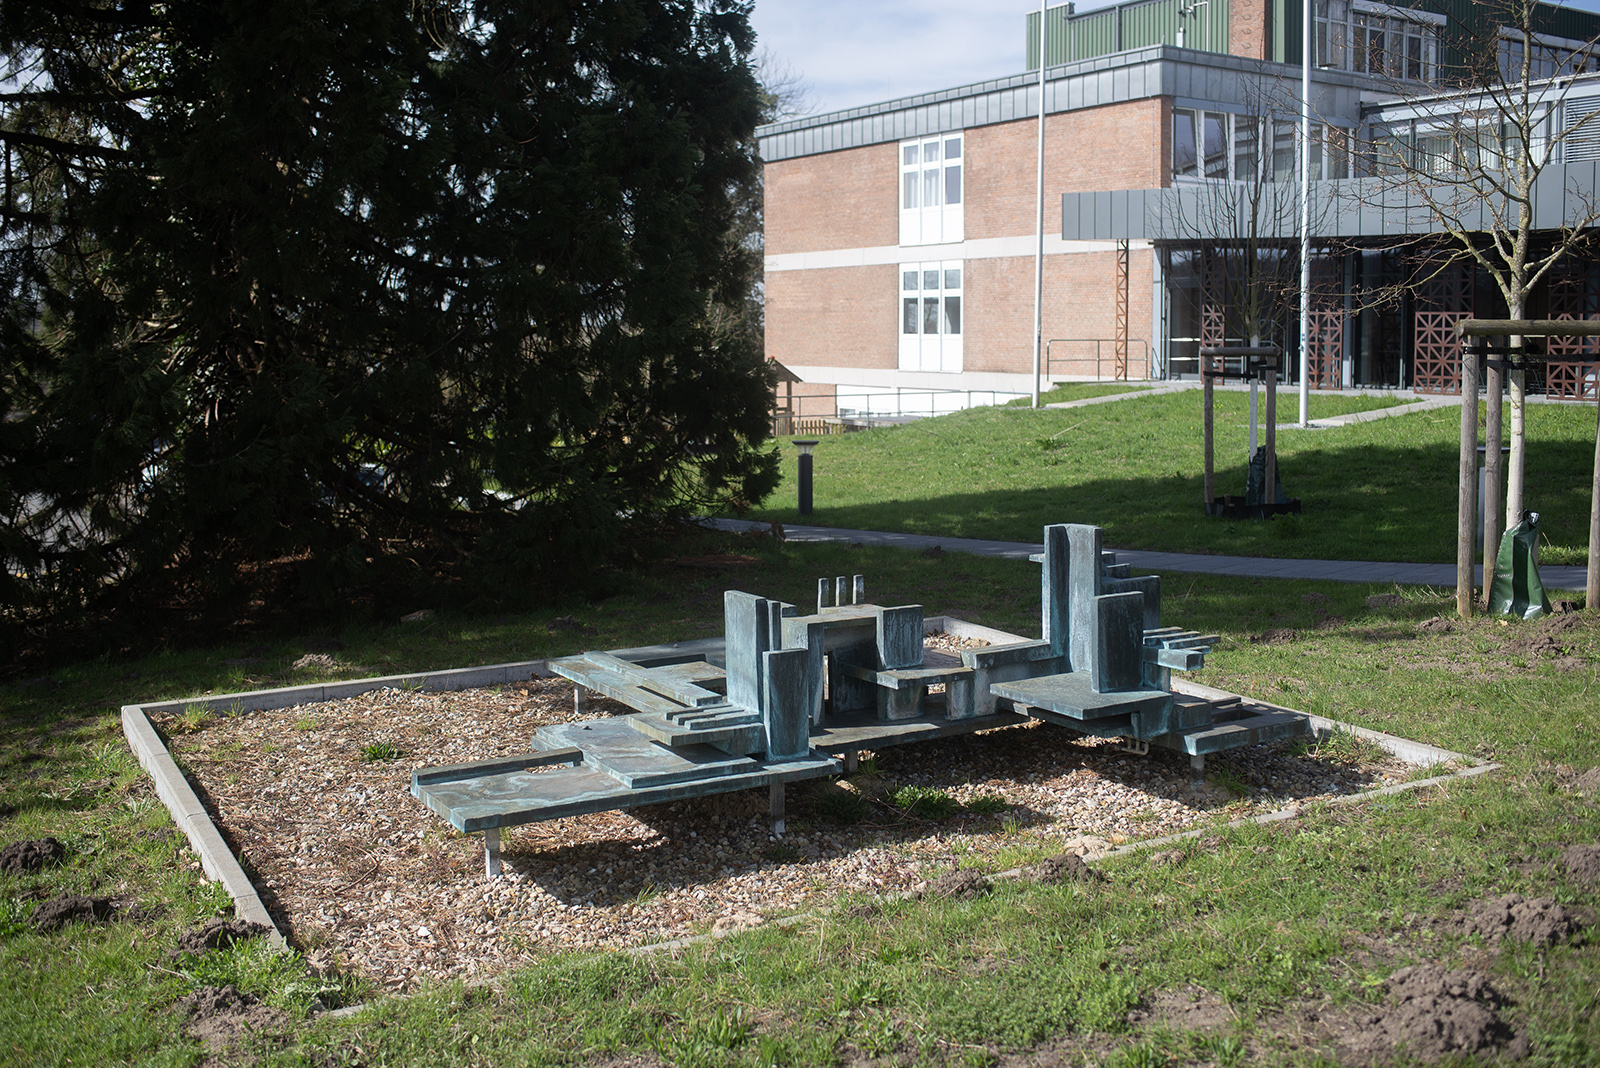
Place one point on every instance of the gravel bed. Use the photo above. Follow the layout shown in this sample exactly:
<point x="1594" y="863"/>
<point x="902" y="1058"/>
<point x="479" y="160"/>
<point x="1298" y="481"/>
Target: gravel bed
<point x="365" y="878"/>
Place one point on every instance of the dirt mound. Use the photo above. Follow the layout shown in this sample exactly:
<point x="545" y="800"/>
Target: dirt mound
<point x="1066" y="868"/>
<point x="1330" y="623"/>
<point x="1566" y="622"/>
<point x="1537" y="645"/>
<point x="958" y="885"/>
<point x="1582" y="863"/>
<point x="1169" y="858"/>
<point x="30" y="855"/>
<point x="218" y="933"/>
<point x="1275" y="636"/>
<point x="1436" y="625"/>
<point x="1434" y="1013"/>
<point x="1588" y="782"/>
<point x="221" y="1016"/>
<point x="1538" y="920"/>
<point x="1385" y="600"/>
<point x="69" y="908"/>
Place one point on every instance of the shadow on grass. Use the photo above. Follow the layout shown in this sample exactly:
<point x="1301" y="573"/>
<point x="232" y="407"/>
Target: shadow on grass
<point x="1359" y="503"/>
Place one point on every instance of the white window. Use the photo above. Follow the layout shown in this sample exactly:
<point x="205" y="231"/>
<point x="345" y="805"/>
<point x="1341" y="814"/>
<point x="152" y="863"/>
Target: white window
<point x="931" y="190"/>
<point x="930" y="316"/>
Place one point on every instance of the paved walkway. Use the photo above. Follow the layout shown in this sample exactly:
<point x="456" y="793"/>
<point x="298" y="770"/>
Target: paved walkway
<point x="1554" y="578"/>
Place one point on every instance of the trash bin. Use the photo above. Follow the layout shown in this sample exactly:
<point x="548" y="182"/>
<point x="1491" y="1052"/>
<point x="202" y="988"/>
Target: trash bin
<point x="1517" y="590"/>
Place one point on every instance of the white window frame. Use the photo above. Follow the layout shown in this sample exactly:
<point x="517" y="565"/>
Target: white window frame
<point x="932" y="191"/>
<point x="930" y="319"/>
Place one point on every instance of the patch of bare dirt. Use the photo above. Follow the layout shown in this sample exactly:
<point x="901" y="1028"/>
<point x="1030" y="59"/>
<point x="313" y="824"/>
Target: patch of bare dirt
<point x="223" y="1017"/>
<point x="1066" y="868"/>
<point x="1275" y="636"/>
<point x="63" y="909"/>
<point x="1188" y="1009"/>
<point x="30" y="855"/>
<point x="1436" y="625"/>
<point x="217" y="933"/>
<point x="963" y="884"/>
<point x="1582" y="864"/>
<point x="1434" y="1012"/>
<point x="1538" y="920"/>
<point x="1385" y="600"/>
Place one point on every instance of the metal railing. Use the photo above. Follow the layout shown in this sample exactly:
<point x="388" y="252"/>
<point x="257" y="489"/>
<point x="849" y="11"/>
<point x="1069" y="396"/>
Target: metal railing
<point x="1096" y="352"/>
<point x="852" y="407"/>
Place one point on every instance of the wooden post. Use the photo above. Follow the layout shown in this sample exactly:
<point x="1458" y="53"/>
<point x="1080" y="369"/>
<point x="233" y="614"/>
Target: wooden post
<point x="1467" y="489"/>
<point x="1269" y="477"/>
<point x="1205" y="379"/>
<point x="1493" y="468"/>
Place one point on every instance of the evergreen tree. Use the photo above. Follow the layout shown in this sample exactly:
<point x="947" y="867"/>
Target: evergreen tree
<point x="355" y="284"/>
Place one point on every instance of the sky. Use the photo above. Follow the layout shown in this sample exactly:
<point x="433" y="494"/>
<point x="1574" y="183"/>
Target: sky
<point x="856" y="52"/>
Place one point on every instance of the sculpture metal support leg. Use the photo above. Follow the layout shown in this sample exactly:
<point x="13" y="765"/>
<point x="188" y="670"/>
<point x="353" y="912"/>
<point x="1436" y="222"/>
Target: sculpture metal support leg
<point x="1197" y="765"/>
<point x="775" y="805"/>
<point x="491" y="852"/>
<point x="852" y="761"/>
<point x="580" y="699"/>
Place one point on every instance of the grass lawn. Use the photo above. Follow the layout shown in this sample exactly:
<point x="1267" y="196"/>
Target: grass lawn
<point x="1381" y="490"/>
<point x="1263" y="945"/>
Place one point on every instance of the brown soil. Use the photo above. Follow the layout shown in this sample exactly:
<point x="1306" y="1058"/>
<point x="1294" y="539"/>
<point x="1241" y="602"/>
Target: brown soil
<point x="1067" y="868"/>
<point x="1436" y="625"/>
<point x="960" y="885"/>
<point x="73" y="908"/>
<point x="1434" y="1012"/>
<point x="218" y="934"/>
<point x="20" y="858"/>
<point x="1537" y="920"/>
<point x="1275" y="636"/>
<point x="223" y="1016"/>
<point x="1582" y="863"/>
<point x="1385" y="600"/>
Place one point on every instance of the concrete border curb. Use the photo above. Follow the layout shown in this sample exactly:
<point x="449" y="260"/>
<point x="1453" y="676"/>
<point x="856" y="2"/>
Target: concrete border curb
<point x="190" y="815"/>
<point x="216" y="859"/>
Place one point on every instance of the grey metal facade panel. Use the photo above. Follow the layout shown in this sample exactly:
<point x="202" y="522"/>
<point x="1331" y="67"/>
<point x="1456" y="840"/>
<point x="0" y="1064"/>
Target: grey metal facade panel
<point x="1133" y="75"/>
<point x="1360" y="208"/>
<point x="1118" y="215"/>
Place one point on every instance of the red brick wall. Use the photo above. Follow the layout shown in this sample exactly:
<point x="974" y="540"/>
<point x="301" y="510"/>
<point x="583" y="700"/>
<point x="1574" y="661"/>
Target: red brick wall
<point x="1079" y="302"/>
<point x="848" y="199"/>
<point x="1247" y="28"/>
<point x="1119" y="146"/>
<point x="836" y="317"/>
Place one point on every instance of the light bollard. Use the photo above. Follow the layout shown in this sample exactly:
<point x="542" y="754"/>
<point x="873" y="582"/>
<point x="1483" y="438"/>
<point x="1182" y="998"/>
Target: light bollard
<point x="805" y="448"/>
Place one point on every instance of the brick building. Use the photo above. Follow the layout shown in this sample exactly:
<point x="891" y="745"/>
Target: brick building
<point x="900" y="236"/>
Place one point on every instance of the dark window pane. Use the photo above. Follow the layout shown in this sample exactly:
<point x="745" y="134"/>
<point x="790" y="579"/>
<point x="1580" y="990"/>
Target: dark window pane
<point x="952" y="315"/>
<point x="1183" y="146"/>
<point x="952" y="278"/>
<point x="952" y="184"/>
<point x="930" y="315"/>
<point x="908" y="318"/>
<point x="908" y="280"/>
<point x="952" y="148"/>
<point x="930" y="279"/>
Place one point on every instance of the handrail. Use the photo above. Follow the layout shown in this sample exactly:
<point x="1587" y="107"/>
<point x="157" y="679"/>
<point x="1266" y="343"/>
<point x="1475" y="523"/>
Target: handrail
<point x="1099" y="354"/>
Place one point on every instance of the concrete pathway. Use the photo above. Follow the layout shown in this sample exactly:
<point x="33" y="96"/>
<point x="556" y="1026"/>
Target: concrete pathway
<point x="1554" y="578"/>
